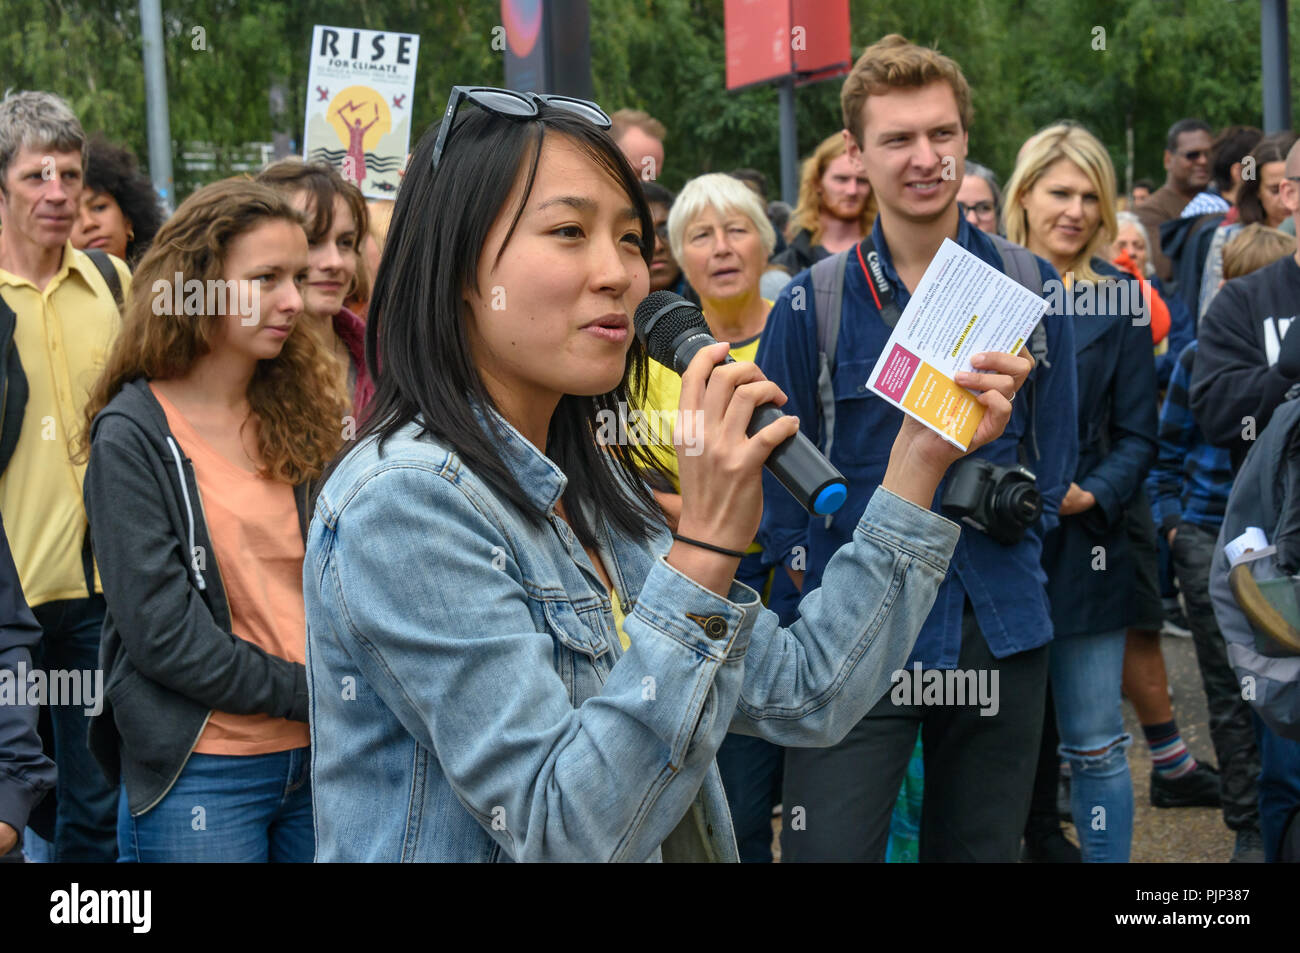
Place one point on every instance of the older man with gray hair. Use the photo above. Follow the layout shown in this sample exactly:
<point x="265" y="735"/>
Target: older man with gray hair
<point x="58" y="316"/>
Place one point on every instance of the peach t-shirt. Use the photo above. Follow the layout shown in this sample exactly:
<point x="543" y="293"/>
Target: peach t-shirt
<point x="258" y="550"/>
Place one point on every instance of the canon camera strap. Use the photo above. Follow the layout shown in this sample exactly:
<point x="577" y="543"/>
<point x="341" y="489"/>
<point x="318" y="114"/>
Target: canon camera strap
<point x="881" y="292"/>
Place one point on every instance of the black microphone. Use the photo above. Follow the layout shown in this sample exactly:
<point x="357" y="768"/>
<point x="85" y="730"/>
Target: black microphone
<point x="673" y="330"/>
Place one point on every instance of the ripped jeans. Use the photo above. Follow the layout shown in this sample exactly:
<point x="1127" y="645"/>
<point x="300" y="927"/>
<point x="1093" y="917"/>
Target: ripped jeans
<point x="1086" y="672"/>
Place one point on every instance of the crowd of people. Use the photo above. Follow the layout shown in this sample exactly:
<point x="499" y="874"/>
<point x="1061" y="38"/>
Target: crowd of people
<point x="335" y="530"/>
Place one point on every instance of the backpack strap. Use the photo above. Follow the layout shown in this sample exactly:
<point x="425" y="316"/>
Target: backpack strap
<point x="13" y="386"/>
<point x="104" y="265"/>
<point x="1021" y="264"/>
<point x="828" y="301"/>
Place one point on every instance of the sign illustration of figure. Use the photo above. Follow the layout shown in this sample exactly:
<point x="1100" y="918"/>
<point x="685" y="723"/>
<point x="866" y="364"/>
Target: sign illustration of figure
<point x="356" y="139"/>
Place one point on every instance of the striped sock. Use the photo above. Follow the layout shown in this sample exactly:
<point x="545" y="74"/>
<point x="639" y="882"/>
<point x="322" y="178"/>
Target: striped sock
<point x="1169" y="756"/>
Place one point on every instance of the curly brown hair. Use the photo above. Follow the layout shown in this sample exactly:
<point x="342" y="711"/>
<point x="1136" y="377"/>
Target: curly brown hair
<point x="295" y="396"/>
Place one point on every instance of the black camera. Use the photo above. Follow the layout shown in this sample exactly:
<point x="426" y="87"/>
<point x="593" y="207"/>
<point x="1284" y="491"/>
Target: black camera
<point x="1000" y="501"/>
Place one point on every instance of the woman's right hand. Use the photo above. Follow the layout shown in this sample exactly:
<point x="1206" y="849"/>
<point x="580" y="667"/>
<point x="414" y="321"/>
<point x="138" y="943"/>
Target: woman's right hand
<point x="720" y="468"/>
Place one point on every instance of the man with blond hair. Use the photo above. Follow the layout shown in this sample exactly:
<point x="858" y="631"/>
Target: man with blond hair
<point x="58" y="317"/>
<point x="907" y="112"/>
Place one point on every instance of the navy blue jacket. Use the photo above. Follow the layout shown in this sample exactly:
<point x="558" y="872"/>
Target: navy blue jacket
<point x="25" y="772"/>
<point x="1005" y="584"/>
<point x="1090" y="588"/>
<point x="1182" y="332"/>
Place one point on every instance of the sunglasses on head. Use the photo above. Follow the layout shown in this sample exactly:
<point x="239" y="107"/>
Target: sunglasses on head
<point x="512" y="104"/>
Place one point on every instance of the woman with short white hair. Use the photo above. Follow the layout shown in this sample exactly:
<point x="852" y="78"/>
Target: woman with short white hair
<point x="719" y="234"/>
<point x="1172" y="325"/>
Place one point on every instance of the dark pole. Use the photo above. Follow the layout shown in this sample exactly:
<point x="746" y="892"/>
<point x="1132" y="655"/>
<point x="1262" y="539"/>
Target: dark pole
<point x="789" y="144"/>
<point x="1275" y="73"/>
<point x="155" y="87"/>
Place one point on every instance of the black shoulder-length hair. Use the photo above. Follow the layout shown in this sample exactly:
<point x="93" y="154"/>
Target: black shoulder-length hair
<point x="417" y="341"/>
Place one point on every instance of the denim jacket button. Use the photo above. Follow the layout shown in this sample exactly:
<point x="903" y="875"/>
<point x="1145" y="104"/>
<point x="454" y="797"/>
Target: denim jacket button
<point x="715" y="627"/>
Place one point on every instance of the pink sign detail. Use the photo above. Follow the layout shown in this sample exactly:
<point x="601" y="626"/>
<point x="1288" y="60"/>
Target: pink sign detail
<point x="897" y="373"/>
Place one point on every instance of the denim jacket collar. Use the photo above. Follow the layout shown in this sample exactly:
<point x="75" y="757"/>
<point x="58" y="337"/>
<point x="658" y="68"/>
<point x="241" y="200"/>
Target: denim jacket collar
<point x="541" y="480"/>
<point x="544" y="484"/>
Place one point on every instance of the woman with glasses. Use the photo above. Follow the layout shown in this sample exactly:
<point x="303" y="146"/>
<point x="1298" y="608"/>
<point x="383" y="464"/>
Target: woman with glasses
<point x="980" y="198"/>
<point x="477" y="553"/>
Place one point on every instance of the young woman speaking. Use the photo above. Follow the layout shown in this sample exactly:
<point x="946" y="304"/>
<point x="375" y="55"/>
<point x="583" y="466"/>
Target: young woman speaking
<point x="473" y="557"/>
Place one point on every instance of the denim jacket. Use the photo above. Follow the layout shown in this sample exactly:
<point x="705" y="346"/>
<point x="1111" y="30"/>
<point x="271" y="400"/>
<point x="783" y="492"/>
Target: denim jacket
<point x="469" y="697"/>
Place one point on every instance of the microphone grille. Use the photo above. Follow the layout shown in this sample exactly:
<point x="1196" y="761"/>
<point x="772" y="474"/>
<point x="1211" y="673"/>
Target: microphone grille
<point x="661" y="318"/>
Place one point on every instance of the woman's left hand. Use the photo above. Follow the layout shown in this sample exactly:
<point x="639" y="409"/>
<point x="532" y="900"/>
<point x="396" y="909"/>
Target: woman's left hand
<point x="921" y="457"/>
<point x="1076" y="500"/>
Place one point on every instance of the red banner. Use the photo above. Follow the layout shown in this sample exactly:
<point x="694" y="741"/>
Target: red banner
<point x="758" y="41"/>
<point x="771" y="39"/>
<point x="820" y="39"/>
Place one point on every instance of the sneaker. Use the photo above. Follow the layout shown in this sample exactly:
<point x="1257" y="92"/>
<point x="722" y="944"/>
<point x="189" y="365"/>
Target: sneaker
<point x="1049" y="847"/>
<point x="1249" y="849"/>
<point x="1197" y="788"/>
<point x="1176" y="619"/>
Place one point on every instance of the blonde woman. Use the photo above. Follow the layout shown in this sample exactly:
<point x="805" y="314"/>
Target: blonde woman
<point x="1061" y="205"/>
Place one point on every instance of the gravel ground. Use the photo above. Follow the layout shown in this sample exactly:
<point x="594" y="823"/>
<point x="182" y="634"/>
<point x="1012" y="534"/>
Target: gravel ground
<point x="1185" y="834"/>
<point x="1180" y="835"/>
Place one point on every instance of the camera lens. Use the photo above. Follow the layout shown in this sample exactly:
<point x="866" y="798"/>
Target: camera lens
<point x="1018" y="501"/>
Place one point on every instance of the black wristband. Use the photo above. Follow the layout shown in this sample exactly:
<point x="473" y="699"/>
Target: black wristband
<point x="734" y="554"/>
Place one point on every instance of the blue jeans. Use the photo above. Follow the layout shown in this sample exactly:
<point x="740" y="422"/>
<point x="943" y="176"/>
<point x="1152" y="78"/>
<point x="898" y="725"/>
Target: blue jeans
<point x="1279" y="785"/>
<point x="77" y="821"/>
<point x="1086" y="674"/>
<point x="227" y="809"/>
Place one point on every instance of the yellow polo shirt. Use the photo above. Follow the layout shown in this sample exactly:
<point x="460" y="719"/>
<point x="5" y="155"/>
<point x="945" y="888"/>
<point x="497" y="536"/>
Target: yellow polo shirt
<point x="63" y="335"/>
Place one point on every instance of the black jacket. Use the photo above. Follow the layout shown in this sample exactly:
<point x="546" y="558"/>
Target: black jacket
<point x="25" y="772"/>
<point x="800" y="254"/>
<point x="1117" y="445"/>
<point x="168" y="654"/>
<point x="1186" y="242"/>
<point x="1241" y="338"/>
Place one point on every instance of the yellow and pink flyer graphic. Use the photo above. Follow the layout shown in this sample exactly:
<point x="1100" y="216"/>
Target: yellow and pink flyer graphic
<point x="962" y="307"/>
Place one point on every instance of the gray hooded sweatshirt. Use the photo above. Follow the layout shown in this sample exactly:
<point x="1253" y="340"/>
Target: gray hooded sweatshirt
<point x="168" y="654"/>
